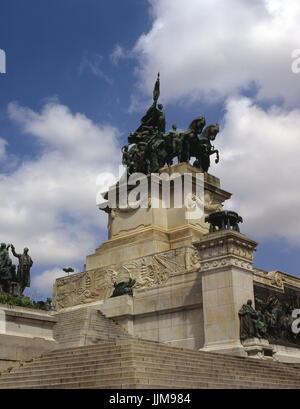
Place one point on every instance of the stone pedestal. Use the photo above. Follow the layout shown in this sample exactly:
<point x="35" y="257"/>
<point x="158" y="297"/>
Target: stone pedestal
<point x="227" y="283"/>
<point x="258" y="348"/>
<point x="158" y="226"/>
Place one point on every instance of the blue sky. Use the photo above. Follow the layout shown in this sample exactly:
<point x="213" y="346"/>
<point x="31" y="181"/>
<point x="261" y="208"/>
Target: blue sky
<point x="79" y="76"/>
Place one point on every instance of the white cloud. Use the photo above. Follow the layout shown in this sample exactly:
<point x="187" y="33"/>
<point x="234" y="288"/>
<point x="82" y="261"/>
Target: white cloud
<point x="93" y="63"/>
<point x="259" y="164"/>
<point x="72" y="135"/>
<point x="117" y="54"/>
<point x="43" y="283"/>
<point x="214" y="49"/>
<point x="49" y="203"/>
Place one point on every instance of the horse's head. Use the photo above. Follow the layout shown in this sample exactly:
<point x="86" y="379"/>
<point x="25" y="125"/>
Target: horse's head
<point x="197" y="124"/>
<point x="211" y="131"/>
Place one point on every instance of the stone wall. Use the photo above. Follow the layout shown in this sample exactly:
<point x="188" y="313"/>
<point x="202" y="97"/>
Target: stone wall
<point x="171" y="313"/>
<point x="24" y="333"/>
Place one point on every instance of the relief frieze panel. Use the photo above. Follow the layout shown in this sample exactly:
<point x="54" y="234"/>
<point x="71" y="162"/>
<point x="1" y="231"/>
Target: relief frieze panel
<point x="98" y="284"/>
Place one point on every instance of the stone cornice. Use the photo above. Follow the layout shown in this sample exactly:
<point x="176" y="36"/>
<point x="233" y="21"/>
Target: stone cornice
<point x="276" y="278"/>
<point x="220" y="249"/>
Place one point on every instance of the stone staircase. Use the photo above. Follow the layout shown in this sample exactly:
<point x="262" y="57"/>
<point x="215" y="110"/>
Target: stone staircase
<point x="85" y="326"/>
<point x="139" y="364"/>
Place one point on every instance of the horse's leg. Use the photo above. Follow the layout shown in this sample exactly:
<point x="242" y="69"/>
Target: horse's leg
<point x="183" y="150"/>
<point x="169" y="158"/>
<point x="205" y="163"/>
<point x="187" y="150"/>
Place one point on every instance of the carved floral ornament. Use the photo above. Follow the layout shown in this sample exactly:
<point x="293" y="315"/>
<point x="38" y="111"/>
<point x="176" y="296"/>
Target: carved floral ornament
<point x="223" y="262"/>
<point x="276" y="278"/>
<point x="209" y="204"/>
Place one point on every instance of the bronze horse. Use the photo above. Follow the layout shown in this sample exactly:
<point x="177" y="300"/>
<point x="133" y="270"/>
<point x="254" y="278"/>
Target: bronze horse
<point x="195" y="142"/>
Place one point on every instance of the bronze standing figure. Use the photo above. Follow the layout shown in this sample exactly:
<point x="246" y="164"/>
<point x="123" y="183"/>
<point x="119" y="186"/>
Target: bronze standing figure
<point x="23" y="272"/>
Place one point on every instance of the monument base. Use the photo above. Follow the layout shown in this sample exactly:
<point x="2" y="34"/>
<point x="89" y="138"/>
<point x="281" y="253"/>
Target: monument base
<point x="258" y="348"/>
<point x="233" y="348"/>
<point x="286" y="354"/>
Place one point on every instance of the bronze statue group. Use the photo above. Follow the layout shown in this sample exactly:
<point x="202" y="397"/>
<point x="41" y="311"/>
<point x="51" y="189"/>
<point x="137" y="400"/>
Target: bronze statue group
<point x="271" y="319"/>
<point x="14" y="281"/>
<point x="149" y="148"/>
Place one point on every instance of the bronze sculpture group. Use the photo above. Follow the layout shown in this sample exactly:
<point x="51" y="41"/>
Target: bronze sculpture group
<point x="271" y="319"/>
<point x="223" y="220"/>
<point x="251" y="323"/>
<point x="149" y="148"/>
<point x="14" y="281"/>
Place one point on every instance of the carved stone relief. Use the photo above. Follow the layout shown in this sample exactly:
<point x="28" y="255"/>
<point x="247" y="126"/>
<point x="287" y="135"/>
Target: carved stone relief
<point x="149" y="271"/>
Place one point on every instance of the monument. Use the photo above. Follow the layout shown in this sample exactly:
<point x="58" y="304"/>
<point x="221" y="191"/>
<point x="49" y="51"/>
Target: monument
<point x="175" y="267"/>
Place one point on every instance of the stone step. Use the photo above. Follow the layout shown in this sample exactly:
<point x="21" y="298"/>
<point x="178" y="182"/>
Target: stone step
<point x="115" y="359"/>
<point x="64" y="376"/>
<point x="140" y="379"/>
<point x="92" y="337"/>
<point x="169" y="382"/>
<point x="213" y="356"/>
<point x="85" y="326"/>
<point x="166" y="370"/>
<point x="112" y="326"/>
<point x="152" y="346"/>
<point x="136" y="364"/>
<point x="245" y="361"/>
<point x="37" y="365"/>
<point x="100" y="345"/>
<point x="263" y="365"/>
<point x="93" y="353"/>
<point x="169" y="374"/>
<point x="146" y="378"/>
<point x="152" y="361"/>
